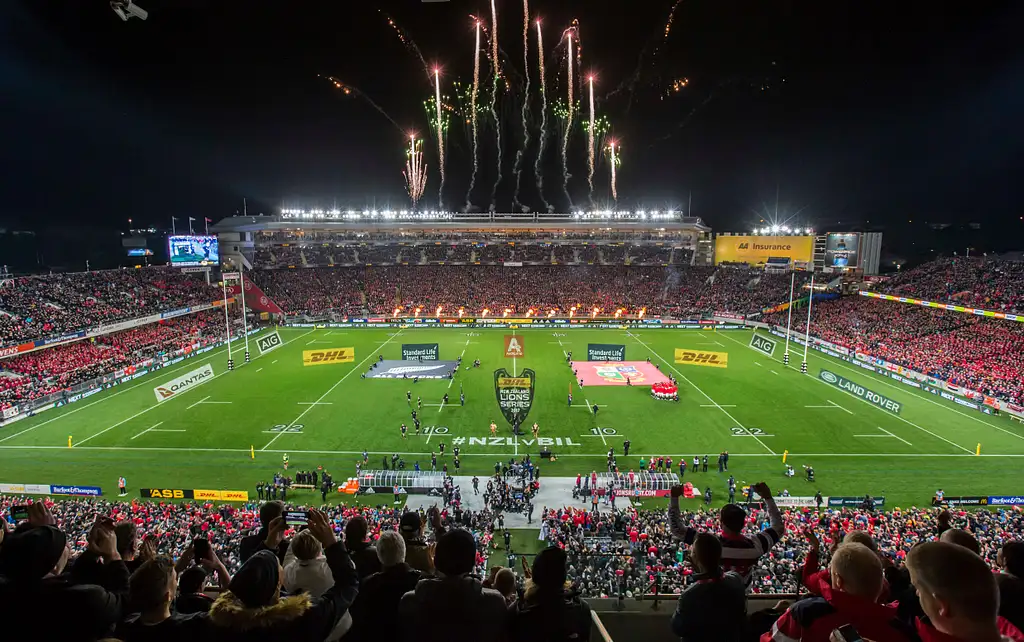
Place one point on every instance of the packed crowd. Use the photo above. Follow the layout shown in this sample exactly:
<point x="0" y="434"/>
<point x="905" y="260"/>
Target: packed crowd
<point x="984" y="355"/>
<point x="52" y="370"/>
<point x="993" y="284"/>
<point x="138" y="571"/>
<point x="679" y="291"/>
<point x="37" y="307"/>
<point x="311" y="253"/>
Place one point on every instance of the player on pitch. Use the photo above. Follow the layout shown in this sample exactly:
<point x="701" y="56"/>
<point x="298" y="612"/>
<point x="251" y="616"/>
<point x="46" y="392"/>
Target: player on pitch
<point x="494" y="428"/>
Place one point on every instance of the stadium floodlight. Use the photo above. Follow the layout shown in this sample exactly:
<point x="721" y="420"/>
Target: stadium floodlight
<point x="775" y="229"/>
<point x="810" y="231"/>
<point x="125" y="10"/>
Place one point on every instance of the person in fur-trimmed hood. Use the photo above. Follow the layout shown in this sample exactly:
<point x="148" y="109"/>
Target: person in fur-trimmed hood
<point x="253" y="610"/>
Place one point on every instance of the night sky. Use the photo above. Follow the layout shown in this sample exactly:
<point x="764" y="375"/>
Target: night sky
<point x="864" y="115"/>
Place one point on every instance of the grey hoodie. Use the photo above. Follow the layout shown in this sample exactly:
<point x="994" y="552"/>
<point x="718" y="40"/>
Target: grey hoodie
<point x="456" y="609"/>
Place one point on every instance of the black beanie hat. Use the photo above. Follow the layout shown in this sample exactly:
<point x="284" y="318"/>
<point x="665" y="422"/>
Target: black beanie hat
<point x="31" y="553"/>
<point x="256" y="583"/>
<point x="549" y="568"/>
<point x="455" y="553"/>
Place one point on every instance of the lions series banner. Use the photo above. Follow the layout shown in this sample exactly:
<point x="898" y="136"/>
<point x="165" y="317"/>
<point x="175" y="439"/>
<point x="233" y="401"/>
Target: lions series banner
<point x="419" y="352"/>
<point x="606" y="352"/>
<point x="268" y="342"/>
<point x="515" y="394"/>
<point x="329" y="356"/>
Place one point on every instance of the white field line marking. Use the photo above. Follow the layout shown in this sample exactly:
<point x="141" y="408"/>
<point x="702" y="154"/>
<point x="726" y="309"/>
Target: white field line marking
<point x="146" y="430"/>
<point x="593" y="455"/>
<point x="197" y="403"/>
<point x="274" y="361"/>
<point x="838" y="406"/>
<point x="749" y="435"/>
<point x="147" y="409"/>
<point x="896" y="436"/>
<point x="723" y="405"/>
<point x="311" y="342"/>
<point x="260" y="370"/>
<point x="922" y="397"/>
<point x="440" y="406"/>
<point x="758" y="364"/>
<point x="906" y="421"/>
<point x="706" y="396"/>
<point x="111" y="396"/>
<point x="773" y="372"/>
<point x="330" y="390"/>
<point x="315" y="403"/>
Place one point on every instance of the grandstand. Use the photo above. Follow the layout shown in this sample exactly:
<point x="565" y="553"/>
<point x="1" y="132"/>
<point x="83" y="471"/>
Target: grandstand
<point x="902" y="405"/>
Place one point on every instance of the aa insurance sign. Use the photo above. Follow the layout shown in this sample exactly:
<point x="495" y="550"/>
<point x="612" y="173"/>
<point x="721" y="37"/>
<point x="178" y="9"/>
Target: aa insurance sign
<point x="268" y="342"/>
<point x="767" y="346"/>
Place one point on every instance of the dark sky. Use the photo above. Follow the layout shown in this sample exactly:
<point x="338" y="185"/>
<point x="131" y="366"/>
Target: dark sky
<point x="861" y="113"/>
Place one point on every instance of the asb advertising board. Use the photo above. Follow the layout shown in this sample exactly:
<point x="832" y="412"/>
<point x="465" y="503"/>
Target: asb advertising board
<point x="758" y="249"/>
<point x="842" y="250"/>
<point x="189" y="250"/>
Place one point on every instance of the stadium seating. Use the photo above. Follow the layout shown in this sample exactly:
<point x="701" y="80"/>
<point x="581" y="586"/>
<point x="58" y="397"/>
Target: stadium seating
<point x="985" y="355"/>
<point x="43" y="372"/>
<point x="994" y="284"/>
<point x="42" y="306"/>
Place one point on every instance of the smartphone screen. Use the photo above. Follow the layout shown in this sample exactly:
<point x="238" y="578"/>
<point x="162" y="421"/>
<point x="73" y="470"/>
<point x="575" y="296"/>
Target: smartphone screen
<point x="19" y="512"/>
<point x="201" y="548"/>
<point x="296" y="518"/>
<point x="846" y="633"/>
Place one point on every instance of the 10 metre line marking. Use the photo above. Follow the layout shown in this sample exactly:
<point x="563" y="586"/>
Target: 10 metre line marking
<point x="706" y="396"/>
<point x="329" y="391"/>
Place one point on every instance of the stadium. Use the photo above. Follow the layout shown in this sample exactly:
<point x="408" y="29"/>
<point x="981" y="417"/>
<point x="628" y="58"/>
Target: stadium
<point x="535" y="349"/>
<point x="511" y="322"/>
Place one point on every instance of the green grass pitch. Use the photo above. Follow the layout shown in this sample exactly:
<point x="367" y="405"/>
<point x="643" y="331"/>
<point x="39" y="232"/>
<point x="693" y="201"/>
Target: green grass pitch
<point x="756" y="409"/>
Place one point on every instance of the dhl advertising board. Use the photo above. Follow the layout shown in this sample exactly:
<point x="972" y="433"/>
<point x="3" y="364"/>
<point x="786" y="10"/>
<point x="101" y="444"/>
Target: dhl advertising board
<point x="758" y="249"/>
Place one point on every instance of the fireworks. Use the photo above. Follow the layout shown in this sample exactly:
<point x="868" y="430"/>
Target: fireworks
<point x="409" y="43"/>
<point x="415" y="172"/>
<point x="440" y="136"/>
<point x="495" y="64"/>
<point x="526" y="101"/>
<point x="568" y="125"/>
<point x="473" y="113"/>
<point x="543" y="116"/>
<point x="590" y="141"/>
<point x="614" y="161"/>
<point x="349" y="90"/>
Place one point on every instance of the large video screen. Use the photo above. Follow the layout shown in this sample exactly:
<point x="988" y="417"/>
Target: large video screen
<point x="189" y="251"/>
<point x="842" y="250"/>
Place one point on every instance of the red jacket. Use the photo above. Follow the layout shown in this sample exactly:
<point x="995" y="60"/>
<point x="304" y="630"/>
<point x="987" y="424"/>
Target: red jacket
<point x="927" y="633"/>
<point x="814" y="579"/>
<point x="813" y="620"/>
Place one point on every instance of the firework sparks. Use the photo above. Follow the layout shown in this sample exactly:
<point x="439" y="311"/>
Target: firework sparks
<point x="473" y="111"/>
<point x="614" y="161"/>
<point x="568" y="126"/>
<point x="543" y="115"/>
<point x="349" y="90"/>
<point x="409" y="43"/>
<point x="495" y="63"/>
<point x="590" y="141"/>
<point x="415" y="172"/>
<point x="526" y="101"/>
<point x="440" y="135"/>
